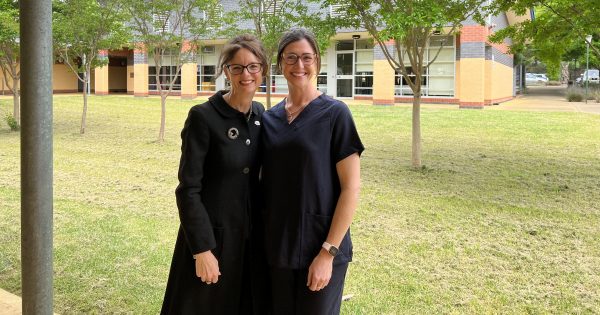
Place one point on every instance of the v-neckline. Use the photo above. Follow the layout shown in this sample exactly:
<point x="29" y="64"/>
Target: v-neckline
<point x="308" y="108"/>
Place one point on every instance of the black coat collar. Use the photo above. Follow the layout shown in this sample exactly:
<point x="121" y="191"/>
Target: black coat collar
<point x="225" y="110"/>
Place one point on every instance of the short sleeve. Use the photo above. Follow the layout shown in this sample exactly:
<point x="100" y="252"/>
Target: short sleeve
<point x="345" y="139"/>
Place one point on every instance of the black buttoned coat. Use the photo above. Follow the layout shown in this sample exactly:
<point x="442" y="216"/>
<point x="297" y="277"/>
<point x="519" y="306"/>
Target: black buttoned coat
<point x="218" y="175"/>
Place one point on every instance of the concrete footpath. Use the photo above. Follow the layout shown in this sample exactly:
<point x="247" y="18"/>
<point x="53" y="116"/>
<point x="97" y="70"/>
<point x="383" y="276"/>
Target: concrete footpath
<point x="10" y="304"/>
<point x="547" y="99"/>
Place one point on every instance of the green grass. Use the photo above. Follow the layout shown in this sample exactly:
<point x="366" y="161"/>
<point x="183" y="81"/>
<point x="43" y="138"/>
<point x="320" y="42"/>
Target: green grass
<point x="503" y="218"/>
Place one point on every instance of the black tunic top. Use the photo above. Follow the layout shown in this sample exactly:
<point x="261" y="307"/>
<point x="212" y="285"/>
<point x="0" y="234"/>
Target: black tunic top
<point x="218" y="174"/>
<point x="300" y="182"/>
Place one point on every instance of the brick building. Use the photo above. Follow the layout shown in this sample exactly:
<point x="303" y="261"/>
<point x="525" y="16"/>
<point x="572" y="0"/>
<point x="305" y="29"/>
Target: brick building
<point x="469" y="71"/>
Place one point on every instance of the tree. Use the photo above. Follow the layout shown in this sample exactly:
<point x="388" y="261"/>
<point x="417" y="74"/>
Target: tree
<point x="558" y="31"/>
<point x="410" y="24"/>
<point x="9" y="51"/>
<point x="271" y="18"/>
<point x="81" y="29"/>
<point x="175" y="28"/>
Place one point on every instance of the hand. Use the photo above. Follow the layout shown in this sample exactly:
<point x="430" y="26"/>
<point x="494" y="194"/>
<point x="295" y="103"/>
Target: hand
<point x="319" y="272"/>
<point x="207" y="267"/>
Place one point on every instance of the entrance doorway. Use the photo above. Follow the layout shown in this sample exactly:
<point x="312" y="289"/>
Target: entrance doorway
<point x="345" y="74"/>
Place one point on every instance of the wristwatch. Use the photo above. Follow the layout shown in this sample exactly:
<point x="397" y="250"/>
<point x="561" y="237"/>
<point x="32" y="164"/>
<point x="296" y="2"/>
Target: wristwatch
<point x="332" y="250"/>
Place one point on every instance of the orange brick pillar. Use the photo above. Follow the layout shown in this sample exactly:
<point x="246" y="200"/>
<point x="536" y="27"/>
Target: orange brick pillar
<point x="472" y="76"/>
<point x="101" y="75"/>
<point x="189" y="80"/>
<point x="140" y="73"/>
<point x="383" y="77"/>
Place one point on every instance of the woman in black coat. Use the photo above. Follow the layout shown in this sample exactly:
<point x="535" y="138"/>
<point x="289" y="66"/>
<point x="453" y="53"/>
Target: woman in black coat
<point x="218" y="172"/>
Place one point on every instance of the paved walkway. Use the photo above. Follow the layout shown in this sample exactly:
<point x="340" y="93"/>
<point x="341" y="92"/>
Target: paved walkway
<point x="10" y="304"/>
<point x="547" y="98"/>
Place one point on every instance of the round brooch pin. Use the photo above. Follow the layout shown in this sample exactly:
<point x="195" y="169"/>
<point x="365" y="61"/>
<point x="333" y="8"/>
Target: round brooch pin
<point x="233" y="133"/>
<point x="256" y="122"/>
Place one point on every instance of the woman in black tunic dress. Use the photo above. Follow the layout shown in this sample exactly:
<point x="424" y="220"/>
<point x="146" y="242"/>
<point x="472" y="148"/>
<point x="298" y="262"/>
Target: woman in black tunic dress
<point x="311" y="181"/>
<point x="218" y="174"/>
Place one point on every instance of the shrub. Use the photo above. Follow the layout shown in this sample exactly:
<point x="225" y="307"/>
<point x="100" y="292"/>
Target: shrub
<point x="554" y="83"/>
<point x="574" y="95"/>
<point x="596" y="95"/>
<point x="11" y="122"/>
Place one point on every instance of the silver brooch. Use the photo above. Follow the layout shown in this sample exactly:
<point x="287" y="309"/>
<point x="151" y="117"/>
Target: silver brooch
<point x="233" y="133"/>
<point x="256" y="122"/>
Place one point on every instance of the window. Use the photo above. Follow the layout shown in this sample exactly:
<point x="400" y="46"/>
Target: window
<point x="165" y="76"/>
<point x="206" y="70"/>
<point x="344" y="45"/>
<point x="438" y="79"/>
<point x="337" y="10"/>
<point x="363" y="67"/>
<point x="322" y="77"/>
<point x="214" y="13"/>
<point x="270" y="7"/>
<point x="161" y="22"/>
<point x="278" y="81"/>
<point x="167" y="72"/>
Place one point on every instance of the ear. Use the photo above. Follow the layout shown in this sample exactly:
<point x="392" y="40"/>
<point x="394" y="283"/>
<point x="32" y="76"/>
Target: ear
<point x="226" y="72"/>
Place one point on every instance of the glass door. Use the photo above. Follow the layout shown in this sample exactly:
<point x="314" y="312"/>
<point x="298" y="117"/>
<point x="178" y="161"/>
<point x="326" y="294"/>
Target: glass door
<point x="345" y="74"/>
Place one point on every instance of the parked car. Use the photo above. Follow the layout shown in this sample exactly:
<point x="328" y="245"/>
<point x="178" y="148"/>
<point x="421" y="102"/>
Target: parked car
<point x="533" y="79"/>
<point x="542" y="76"/>
<point x="593" y="75"/>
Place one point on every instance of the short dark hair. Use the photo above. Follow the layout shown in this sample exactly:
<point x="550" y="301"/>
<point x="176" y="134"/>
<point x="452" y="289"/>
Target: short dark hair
<point x="294" y="35"/>
<point x="246" y="41"/>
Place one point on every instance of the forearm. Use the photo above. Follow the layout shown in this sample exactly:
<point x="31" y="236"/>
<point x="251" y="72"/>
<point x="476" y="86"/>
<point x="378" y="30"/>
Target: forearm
<point x="343" y="216"/>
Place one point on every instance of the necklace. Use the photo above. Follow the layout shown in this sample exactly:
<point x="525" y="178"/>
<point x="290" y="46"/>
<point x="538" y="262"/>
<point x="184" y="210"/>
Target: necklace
<point x="291" y="114"/>
<point x="247" y="115"/>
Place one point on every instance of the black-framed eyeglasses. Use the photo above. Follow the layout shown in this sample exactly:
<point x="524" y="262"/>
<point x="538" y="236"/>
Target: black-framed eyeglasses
<point x="307" y="59"/>
<point x="238" y="69"/>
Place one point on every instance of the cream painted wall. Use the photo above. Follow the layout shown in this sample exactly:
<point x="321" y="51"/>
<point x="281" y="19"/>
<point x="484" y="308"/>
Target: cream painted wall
<point x="63" y="79"/>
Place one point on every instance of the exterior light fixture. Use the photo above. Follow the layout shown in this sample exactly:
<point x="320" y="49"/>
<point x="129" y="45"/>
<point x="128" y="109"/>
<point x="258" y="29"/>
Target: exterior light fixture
<point x="355" y="36"/>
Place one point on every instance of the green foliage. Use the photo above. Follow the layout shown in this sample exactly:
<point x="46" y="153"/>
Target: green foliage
<point x="410" y="24"/>
<point x="178" y="26"/>
<point x="12" y="123"/>
<point x="81" y="28"/>
<point x="9" y="38"/>
<point x="558" y="30"/>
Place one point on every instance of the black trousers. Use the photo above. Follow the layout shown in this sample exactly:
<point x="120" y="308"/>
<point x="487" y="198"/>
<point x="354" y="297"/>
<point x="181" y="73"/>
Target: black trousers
<point x="291" y="296"/>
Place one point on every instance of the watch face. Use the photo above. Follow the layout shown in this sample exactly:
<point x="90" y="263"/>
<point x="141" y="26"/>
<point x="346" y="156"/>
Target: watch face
<point x="333" y="251"/>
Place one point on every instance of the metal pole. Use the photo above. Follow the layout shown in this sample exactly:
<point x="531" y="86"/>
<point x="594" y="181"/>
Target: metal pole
<point x="587" y="69"/>
<point x="36" y="156"/>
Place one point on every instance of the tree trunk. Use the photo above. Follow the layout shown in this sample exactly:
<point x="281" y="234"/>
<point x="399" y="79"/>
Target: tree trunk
<point x="16" y="103"/>
<point x="86" y="78"/>
<point x="163" y="103"/>
<point x="84" y="114"/>
<point x="268" y="79"/>
<point x="416" y="130"/>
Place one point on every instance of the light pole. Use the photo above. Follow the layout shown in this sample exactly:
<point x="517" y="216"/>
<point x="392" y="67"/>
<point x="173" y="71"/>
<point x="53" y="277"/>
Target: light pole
<point x="588" y="41"/>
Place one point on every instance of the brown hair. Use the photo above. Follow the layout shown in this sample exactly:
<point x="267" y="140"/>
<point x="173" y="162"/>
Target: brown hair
<point x="294" y="35"/>
<point x="246" y="41"/>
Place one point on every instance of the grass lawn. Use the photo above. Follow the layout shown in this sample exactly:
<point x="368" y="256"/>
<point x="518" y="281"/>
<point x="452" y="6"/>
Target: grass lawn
<point x="504" y="217"/>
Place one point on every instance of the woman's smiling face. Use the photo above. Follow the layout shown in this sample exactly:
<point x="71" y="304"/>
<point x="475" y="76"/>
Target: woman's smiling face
<point x="244" y="82"/>
<point x="303" y="71"/>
